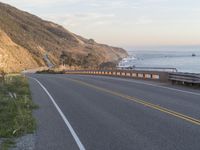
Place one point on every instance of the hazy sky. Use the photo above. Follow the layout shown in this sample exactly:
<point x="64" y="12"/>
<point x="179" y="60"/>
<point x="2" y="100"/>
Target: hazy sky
<point x="126" y="23"/>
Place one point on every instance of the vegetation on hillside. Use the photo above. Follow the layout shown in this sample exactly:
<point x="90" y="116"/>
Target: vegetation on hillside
<point x="37" y="37"/>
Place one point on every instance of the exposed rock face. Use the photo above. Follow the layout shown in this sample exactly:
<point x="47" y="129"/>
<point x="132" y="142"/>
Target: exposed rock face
<point x="25" y="39"/>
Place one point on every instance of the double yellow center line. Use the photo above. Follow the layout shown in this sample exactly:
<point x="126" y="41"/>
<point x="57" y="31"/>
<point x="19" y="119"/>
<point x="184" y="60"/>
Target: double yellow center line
<point x="139" y="101"/>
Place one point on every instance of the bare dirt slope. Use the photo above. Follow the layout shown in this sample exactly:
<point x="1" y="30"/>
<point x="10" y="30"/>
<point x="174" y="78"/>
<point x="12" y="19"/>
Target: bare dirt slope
<point x="14" y="57"/>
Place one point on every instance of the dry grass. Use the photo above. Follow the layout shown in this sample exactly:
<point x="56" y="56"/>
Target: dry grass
<point x="16" y="109"/>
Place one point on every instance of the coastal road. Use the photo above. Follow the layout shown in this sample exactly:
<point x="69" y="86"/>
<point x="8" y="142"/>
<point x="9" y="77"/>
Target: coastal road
<point x="107" y="113"/>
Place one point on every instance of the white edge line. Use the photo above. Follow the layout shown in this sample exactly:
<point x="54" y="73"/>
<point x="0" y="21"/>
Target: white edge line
<point x="164" y="87"/>
<point x="173" y="89"/>
<point x="78" y="142"/>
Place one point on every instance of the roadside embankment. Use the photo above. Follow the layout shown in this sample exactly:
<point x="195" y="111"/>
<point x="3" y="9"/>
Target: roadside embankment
<point x="16" y="109"/>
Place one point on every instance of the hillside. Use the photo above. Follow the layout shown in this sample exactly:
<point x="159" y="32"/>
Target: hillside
<point x="14" y="57"/>
<point x="25" y="39"/>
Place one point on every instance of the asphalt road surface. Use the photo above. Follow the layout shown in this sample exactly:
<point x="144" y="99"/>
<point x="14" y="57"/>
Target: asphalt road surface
<point x="107" y="113"/>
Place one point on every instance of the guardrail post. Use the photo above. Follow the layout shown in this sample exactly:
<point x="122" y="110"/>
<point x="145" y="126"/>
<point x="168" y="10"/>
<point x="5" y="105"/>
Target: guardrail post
<point x="162" y="76"/>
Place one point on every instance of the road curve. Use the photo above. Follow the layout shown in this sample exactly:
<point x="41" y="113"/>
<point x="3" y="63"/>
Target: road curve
<point x="105" y="113"/>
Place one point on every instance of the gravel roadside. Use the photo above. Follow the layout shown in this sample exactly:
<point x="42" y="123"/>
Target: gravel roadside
<point x="26" y="142"/>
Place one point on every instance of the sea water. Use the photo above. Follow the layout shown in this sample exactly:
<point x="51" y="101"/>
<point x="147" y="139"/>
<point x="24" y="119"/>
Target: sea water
<point x="182" y="60"/>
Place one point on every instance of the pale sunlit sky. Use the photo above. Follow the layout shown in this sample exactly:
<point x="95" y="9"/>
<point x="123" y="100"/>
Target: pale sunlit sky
<point x="125" y="23"/>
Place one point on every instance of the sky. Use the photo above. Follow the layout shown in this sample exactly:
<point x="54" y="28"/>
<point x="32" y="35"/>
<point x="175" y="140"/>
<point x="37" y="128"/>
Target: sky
<point x="125" y="23"/>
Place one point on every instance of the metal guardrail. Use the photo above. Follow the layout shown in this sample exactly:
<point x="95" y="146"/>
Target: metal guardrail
<point x="175" y="77"/>
<point x="156" y="69"/>
<point x="185" y="78"/>
<point x="149" y="69"/>
<point x="152" y="75"/>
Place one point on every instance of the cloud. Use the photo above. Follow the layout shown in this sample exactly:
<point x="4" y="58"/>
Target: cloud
<point x="112" y="20"/>
<point x="144" y="20"/>
<point x="82" y="19"/>
<point x="38" y="2"/>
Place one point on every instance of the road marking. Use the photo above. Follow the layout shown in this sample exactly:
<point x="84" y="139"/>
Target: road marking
<point x="139" y="101"/>
<point x="164" y="87"/>
<point x="159" y="86"/>
<point x="76" y="138"/>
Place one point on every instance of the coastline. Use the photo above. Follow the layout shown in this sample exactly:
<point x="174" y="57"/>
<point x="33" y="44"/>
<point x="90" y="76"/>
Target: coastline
<point x="182" y="60"/>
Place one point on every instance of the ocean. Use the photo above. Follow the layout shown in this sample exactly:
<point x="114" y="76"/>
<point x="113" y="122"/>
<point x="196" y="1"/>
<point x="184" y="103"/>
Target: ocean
<point x="182" y="60"/>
